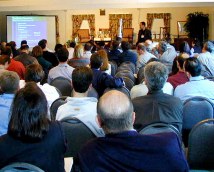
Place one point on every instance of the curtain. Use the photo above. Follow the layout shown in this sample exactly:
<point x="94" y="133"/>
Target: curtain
<point x="114" y="23"/>
<point x="77" y="21"/>
<point x="57" y="30"/>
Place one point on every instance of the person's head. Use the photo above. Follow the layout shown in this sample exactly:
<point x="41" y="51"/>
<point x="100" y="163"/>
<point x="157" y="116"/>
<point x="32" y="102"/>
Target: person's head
<point x="72" y="44"/>
<point x="29" y="121"/>
<point x="192" y="67"/>
<point x="96" y="61"/>
<point x="9" y="82"/>
<point x="5" y="57"/>
<point x="141" y="49"/>
<point x="115" y="45"/>
<point x="78" y="51"/>
<point x="62" y="54"/>
<point x="208" y="46"/>
<point x="12" y="44"/>
<point x="37" y="51"/>
<point x="162" y="47"/>
<point x="57" y="47"/>
<point x="125" y="45"/>
<point x="34" y="72"/>
<point x="156" y="75"/>
<point x="104" y="57"/>
<point x="25" y="48"/>
<point x="42" y="43"/>
<point x="23" y="42"/>
<point x="87" y="46"/>
<point x="81" y="79"/>
<point x="142" y="25"/>
<point x="115" y="117"/>
<point x="180" y="62"/>
<point x="184" y="47"/>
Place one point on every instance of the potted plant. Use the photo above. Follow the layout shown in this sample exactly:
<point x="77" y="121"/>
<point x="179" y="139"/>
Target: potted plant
<point x="197" y="26"/>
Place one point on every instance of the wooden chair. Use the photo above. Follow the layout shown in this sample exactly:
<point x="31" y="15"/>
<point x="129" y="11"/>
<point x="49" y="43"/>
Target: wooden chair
<point x="84" y="35"/>
<point x="128" y="34"/>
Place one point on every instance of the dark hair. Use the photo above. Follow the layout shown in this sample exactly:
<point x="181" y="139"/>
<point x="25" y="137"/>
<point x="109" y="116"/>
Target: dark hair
<point x="24" y="47"/>
<point x="29" y="122"/>
<point x="125" y="45"/>
<point x="12" y="44"/>
<point x="62" y="54"/>
<point x="34" y="72"/>
<point x="115" y="44"/>
<point x="181" y="61"/>
<point x="143" y="23"/>
<point x="23" y="42"/>
<point x="184" y="47"/>
<point x="96" y="61"/>
<point x="81" y="79"/>
<point x="87" y="46"/>
<point x="57" y="47"/>
<point x="193" y="66"/>
<point x="42" y="43"/>
<point x="6" y="51"/>
<point x="37" y="51"/>
<point x="72" y="44"/>
<point x="141" y="46"/>
<point x="162" y="46"/>
<point x="5" y="55"/>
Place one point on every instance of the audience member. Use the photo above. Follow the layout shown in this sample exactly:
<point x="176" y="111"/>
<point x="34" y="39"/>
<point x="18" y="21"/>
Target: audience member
<point x="157" y="106"/>
<point x="12" y="45"/>
<point x="63" y="69"/>
<point x="56" y="48"/>
<point x="16" y="66"/>
<point x="49" y="56"/>
<point x="143" y="55"/>
<point x="115" y="52"/>
<point x="196" y="47"/>
<point x="46" y="65"/>
<point x="106" y="67"/>
<point x="102" y="80"/>
<point x="197" y="85"/>
<point x="78" y="59"/>
<point x="87" y="50"/>
<point x="123" y="149"/>
<point x="206" y="59"/>
<point x="143" y="33"/>
<point x="71" y="49"/>
<point x="9" y="85"/>
<point x="81" y="81"/>
<point x="35" y="73"/>
<point x="180" y="77"/>
<point x="31" y="137"/>
<point x="127" y="54"/>
<point x="24" y="56"/>
<point x="184" y="50"/>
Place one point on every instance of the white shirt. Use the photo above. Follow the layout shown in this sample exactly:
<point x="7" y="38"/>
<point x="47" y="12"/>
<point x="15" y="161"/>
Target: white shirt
<point x="197" y="86"/>
<point x="82" y="108"/>
<point x="143" y="59"/>
<point x="169" y="55"/>
<point x="207" y="60"/>
<point x="87" y="54"/>
<point x="142" y="90"/>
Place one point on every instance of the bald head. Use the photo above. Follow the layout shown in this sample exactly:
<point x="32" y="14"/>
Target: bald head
<point x="115" y="112"/>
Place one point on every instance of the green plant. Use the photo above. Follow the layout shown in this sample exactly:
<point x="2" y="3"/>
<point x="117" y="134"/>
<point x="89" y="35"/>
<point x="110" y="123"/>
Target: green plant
<point x="197" y="26"/>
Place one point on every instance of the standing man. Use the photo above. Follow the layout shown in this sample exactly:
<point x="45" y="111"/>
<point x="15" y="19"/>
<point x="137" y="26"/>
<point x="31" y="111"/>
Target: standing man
<point x="143" y="33"/>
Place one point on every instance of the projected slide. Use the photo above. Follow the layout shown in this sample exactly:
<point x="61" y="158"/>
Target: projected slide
<point x="32" y="29"/>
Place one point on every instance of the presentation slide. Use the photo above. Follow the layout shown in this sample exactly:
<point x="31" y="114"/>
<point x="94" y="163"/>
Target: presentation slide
<point x="32" y="29"/>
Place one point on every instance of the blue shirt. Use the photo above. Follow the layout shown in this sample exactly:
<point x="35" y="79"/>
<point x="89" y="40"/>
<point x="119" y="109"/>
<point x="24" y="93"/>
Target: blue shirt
<point x="128" y="56"/>
<point x="5" y="104"/>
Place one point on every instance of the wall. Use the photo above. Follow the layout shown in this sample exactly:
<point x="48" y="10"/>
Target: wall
<point x="65" y="18"/>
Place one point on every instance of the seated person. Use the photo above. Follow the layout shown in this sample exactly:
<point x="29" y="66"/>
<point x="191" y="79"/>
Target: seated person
<point x="9" y="85"/>
<point x="157" y="106"/>
<point x="127" y="54"/>
<point x="87" y="106"/>
<point x="180" y="77"/>
<point x="63" y="69"/>
<point x="102" y="80"/>
<point x="106" y="67"/>
<point x="115" y="52"/>
<point x="123" y="149"/>
<point x="87" y="50"/>
<point x="197" y="85"/>
<point x="31" y="137"/>
<point x="35" y="73"/>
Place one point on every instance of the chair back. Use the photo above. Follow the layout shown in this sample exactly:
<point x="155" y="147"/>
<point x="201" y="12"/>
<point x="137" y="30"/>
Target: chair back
<point x="128" y="34"/>
<point x="55" y="105"/>
<point x="126" y="73"/>
<point x="63" y="85"/>
<point x="77" y="134"/>
<point x="129" y="83"/>
<point x="160" y="127"/>
<point x="201" y="149"/>
<point x="195" y="110"/>
<point x="122" y="89"/>
<point x="84" y="35"/>
<point x="140" y="75"/>
<point x="127" y="66"/>
<point x="21" y="166"/>
<point x="113" y="67"/>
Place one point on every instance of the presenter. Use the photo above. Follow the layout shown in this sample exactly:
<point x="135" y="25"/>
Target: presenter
<point x="143" y="33"/>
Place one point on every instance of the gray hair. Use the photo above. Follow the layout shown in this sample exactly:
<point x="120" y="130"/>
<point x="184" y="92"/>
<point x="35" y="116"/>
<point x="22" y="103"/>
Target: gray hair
<point x="209" y="46"/>
<point x="115" y="111"/>
<point x="9" y="82"/>
<point x="156" y="75"/>
<point x="162" y="46"/>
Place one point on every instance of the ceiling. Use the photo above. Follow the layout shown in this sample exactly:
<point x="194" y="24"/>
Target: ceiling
<point x="28" y="5"/>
